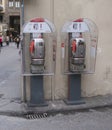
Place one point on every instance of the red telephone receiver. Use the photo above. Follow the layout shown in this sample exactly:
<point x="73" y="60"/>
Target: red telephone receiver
<point x="74" y="46"/>
<point x="32" y="46"/>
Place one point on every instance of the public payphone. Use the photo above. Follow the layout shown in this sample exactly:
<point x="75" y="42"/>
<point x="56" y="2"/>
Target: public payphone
<point x="40" y="41"/>
<point x="79" y="44"/>
<point x="78" y="49"/>
<point x="38" y="57"/>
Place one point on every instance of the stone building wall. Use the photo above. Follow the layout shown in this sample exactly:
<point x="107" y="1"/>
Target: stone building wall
<point x="58" y="12"/>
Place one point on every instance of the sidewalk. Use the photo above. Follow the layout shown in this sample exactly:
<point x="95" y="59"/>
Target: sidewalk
<point x="16" y="107"/>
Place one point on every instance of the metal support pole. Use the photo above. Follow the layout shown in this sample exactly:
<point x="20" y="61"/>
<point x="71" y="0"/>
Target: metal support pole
<point x="37" y="92"/>
<point x="74" y="90"/>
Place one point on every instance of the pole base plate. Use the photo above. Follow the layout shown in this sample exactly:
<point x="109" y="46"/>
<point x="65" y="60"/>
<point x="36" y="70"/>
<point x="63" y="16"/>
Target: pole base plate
<point x="76" y="102"/>
<point x="37" y="104"/>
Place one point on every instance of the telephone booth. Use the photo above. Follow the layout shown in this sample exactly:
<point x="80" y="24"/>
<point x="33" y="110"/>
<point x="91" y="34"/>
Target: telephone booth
<point x="78" y="54"/>
<point x="38" y="57"/>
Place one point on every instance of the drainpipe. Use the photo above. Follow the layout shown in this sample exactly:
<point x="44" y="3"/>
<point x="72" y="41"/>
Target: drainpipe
<point x="22" y="12"/>
<point x="23" y="79"/>
<point x="52" y="77"/>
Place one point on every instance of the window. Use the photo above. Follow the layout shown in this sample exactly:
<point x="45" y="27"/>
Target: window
<point x="17" y="3"/>
<point x="11" y="3"/>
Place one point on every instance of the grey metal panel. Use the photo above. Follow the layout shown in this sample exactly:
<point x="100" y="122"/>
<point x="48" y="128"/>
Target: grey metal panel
<point x="74" y="90"/>
<point x="74" y="87"/>
<point x="37" y="92"/>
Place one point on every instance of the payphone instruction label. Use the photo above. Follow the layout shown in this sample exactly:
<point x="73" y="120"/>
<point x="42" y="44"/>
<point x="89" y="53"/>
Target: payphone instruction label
<point x="39" y="27"/>
<point x="77" y="27"/>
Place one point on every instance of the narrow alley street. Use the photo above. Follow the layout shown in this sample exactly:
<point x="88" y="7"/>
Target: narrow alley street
<point x="9" y="74"/>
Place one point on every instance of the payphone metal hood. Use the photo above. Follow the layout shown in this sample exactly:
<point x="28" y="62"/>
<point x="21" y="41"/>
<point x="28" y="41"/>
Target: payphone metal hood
<point x="38" y="25"/>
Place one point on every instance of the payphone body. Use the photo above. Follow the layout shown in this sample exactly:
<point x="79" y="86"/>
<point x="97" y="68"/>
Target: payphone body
<point x="37" y="53"/>
<point x="79" y="39"/>
<point x="77" y="54"/>
<point x="40" y="44"/>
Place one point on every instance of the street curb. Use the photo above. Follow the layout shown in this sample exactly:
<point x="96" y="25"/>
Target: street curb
<point x="53" y="112"/>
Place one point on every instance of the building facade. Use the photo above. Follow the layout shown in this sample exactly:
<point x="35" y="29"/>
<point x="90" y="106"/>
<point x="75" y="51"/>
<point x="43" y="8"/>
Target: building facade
<point x="10" y="15"/>
<point x="2" y="10"/>
<point x="59" y="12"/>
